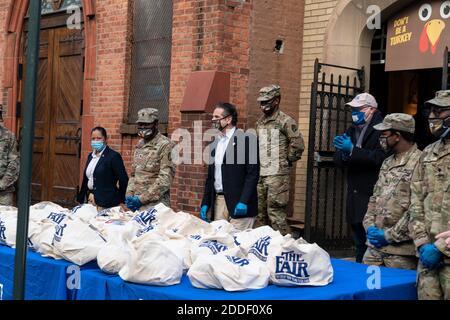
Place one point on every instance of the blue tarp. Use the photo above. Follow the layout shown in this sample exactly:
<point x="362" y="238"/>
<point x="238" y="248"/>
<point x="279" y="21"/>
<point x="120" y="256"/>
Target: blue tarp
<point x="48" y="279"/>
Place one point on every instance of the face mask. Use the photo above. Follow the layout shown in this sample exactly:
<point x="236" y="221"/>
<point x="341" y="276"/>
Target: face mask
<point x="358" y="117"/>
<point x="268" y="108"/>
<point x="439" y="127"/>
<point x="98" y="145"/>
<point x="147" y="133"/>
<point x="217" y="124"/>
<point x="385" y="145"/>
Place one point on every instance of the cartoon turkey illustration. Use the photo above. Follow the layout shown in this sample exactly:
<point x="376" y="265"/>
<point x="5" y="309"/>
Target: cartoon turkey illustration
<point x="434" y="25"/>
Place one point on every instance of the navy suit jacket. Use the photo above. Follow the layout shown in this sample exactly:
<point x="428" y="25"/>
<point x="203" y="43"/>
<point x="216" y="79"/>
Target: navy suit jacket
<point x="110" y="180"/>
<point x="363" y="168"/>
<point x="240" y="175"/>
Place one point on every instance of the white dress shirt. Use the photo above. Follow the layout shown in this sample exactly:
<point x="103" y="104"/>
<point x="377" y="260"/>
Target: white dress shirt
<point x="91" y="168"/>
<point x="218" y="158"/>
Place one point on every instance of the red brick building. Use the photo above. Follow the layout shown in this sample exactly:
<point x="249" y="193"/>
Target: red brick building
<point x="180" y="56"/>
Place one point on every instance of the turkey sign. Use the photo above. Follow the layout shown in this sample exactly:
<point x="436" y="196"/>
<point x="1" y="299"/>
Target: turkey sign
<point x="417" y="37"/>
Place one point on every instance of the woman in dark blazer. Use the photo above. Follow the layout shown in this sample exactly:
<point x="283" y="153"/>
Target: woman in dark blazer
<point x="105" y="179"/>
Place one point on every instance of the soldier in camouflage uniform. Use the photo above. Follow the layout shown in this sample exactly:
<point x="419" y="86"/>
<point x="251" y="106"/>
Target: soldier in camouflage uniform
<point x="445" y="235"/>
<point x="280" y="145"/>
<point x="430" y="204"/>
<point x="387" y="218"/>
<point x="9" y="164"/>
<point x="153" y="169"/>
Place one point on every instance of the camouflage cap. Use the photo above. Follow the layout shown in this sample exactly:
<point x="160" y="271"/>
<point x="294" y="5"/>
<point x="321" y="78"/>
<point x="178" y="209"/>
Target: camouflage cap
<point x="397" y="121"/>
<point x="268" y="93"/>
<point x="147" y="115"/>
<point x="442" y="99"/>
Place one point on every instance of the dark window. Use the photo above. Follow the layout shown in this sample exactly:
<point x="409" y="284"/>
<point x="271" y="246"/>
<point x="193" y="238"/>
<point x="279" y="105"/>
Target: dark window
<point x="378" y="50"/>
<point x="52" y="6"/>
<point x="151" y="55"/>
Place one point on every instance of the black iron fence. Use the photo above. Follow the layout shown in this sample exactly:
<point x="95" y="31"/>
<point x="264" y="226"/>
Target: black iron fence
<point x="326" y="183"/>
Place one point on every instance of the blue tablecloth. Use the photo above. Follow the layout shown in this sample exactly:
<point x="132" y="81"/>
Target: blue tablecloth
<point x="47" y="279"/>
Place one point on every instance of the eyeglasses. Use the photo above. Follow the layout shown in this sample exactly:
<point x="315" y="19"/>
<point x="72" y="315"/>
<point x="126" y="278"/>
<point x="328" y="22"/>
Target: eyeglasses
<point x="218" y="119"/>
<point x="386" y="137"/>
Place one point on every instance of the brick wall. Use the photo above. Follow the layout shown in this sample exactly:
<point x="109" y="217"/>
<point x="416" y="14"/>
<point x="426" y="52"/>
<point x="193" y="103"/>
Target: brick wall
<point x="208" y="35"/>
<point x="4" y="7"/>
<point x="109" y="102"/>
<point x="316" y="18"/>
<point x="272" y="21"/>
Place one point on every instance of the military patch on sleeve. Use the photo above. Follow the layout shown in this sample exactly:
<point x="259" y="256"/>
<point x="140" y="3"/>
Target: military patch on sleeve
<point x="294" y="127"/>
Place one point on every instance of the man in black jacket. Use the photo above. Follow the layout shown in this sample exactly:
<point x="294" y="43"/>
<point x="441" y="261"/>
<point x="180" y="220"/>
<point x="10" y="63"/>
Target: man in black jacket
<point x="359" y="150"/>
<point x="233" y="172"/>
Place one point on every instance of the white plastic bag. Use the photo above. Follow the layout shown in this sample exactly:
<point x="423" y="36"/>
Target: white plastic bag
<point x="40" y="211"/>
<point x="230" y="271"/>
<point x="173" y="221"/>
<point x="212" y="245"/>
<point x="298" y="263"/>
<point x="85" y="212"/>
<point x="223" y="226"/>
<point x="8" y="225"/>
<point x="181" y="246"/>
<point x="247" y="238"/>
<point x="43" y="240"/>
<point x="113" y="255"/>
<point x="152" y="262"/>
<point x="190" y="225"/>
<point x="77" y="241"/>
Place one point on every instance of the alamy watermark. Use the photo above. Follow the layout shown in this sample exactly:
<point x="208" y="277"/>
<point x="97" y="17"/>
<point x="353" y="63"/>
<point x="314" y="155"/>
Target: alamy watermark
<point x="74" y="279"/>
<point x="245" y="147"/>
<point x="74" y="20"/>
<point x="374" y="280"/>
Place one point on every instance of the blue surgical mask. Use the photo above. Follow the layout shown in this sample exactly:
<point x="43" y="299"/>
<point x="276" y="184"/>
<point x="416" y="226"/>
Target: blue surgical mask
<point x="98" y="145"/>
<point x="358" y="117"/>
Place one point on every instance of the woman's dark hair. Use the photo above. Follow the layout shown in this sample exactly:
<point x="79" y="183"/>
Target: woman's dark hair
<point x="230" y="110"/>
<point x="101" y="130"/>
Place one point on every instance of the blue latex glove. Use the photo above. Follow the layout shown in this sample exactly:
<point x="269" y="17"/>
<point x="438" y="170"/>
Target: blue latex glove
<point x="203" y="212"/>
<point x="133" y="203"/>
<point x="343" y="143"/>
<point x="338" y="140"/>
<point x="430" y="256"/>
<point x="240" y="210"/>
<point x="376" y="238"/>
<point x="371" y="230"/>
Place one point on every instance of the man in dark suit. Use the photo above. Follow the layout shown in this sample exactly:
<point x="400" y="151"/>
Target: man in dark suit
<point x="233" y="172"/>
<point x="359" y="150"/>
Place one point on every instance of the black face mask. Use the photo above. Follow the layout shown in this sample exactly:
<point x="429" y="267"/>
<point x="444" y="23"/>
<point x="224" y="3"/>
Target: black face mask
<point x="147" y="133"/>
<point x="439" y="127"/>
<point x="385" y="145"/>
<point x="217" y="125"/>
<point x="268" y="107"/>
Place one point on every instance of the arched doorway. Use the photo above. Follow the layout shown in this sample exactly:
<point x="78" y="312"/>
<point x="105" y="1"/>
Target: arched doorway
<point x="403" y="91"/>
<point x="67" y="56"/>
<point x="57" y="141"/>
<point x="351" y="43"/>
<point x="347" y="50"/>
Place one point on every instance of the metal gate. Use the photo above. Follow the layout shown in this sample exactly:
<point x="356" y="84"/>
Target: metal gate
<point x="326" y="184"/>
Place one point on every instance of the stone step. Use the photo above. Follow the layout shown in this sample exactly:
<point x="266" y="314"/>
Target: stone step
<point x="298" y="226"/>
<point x="295" y="219"/>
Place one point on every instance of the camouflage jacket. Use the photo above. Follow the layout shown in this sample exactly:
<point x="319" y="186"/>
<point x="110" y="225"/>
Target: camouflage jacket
<point x="280" y="143"/>
<point x="152" y="171"/>
<point x="388" y="206"/>
<point x="9" y="160"/>
<point x="430" y="196"/>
